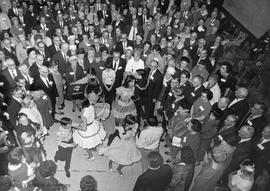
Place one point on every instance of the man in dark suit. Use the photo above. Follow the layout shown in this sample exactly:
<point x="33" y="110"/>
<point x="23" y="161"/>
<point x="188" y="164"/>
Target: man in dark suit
<point x="197" y="83"/>
<point x="119" y="66"/>
<point x="28" y="80"/>
<point x="34" y="69"/>
<point x="245" y="149"/>
<point x="43" y="50"/>
<point x="13" y="11"/>
<point x="104" y="14"/>
<point x="256" y="118"/>
<point x="123" y="44"/>
<point x="262" y="155"/>
<point x="239" y="106"/>
<point x="229" y="128"/>
<point x="9" y="51"/>
<point x="134" y="29"/>
<point x="14" y="105"/>
<point x="157" y="177"/>
<point x="191" y="42"/>
<point x="10" y="75"/>
<point x="45" y="27"/>
<point x="46" y="83"/>
<point x="60" y="23"/>
<point x="118" y="22"/>
<point x="61" y="58"/>
<point x="153" y="89"/>
<point x="55" y="47"/>
<point x="22" y="18"/>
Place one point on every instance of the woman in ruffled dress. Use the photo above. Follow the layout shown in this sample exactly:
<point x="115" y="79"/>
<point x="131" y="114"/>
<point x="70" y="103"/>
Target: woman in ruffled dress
<point x="124" y="104"/>
<point x="90" y="132"/>
<point x="123" y="150"/>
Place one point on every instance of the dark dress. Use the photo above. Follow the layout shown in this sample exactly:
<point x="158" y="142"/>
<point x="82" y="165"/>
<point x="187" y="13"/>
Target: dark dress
<point x="74" y="91"/>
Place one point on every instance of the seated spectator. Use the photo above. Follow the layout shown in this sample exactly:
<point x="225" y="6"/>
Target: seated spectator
<point x="157" y="177"/>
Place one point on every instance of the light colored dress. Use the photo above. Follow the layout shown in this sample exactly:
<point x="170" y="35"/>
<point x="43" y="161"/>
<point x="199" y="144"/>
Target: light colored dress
<point x="241" y="184"/>
<point x="123" y="150"/>
<point x="125" y="105"/>
<point x="94" y="134"/>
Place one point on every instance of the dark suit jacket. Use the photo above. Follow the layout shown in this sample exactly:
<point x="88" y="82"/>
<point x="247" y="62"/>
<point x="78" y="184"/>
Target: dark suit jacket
<point x="47" y="56"/>
<point x="155" y="85"/>
<point x="188" y="44"/>
<point x="11" y="13"/>
<point x="33" y="71"/>
<point x="62" y="63"/>
<point x="257" y="123"/>
<point x="154" y="180"/>
<point x="262" y="157"/>
<point x="121" y="25"/>
<point x="52" y="50"/>
<point x="193" y="95"/>
<point x="244" y="150"/>
<point x="107" y="17"/>
<point x="240" y="109"/>
<point x="12" y="55"/>
<point x="9" y="82"/>
<point x="51" y="91"/>
<point x="119" y="46"/>
<point x="139" y="29"/>
<point x="13" y="109"/>
<point x="119" y="71"/>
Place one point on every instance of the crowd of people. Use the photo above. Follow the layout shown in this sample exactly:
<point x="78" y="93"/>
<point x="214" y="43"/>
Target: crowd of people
<point x="164" y="70"/>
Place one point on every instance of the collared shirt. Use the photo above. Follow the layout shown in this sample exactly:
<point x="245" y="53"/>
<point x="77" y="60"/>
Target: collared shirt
<point x="149" y="138"/>
<point x="13" y="73"/>
<point x="46" y="81"/>
<point x="244" y="140"/>
<point x="264" y="141"/>
<point x="235" y="101"/>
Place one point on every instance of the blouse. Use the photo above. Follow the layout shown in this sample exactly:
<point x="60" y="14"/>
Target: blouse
<point x="240" y="183"/>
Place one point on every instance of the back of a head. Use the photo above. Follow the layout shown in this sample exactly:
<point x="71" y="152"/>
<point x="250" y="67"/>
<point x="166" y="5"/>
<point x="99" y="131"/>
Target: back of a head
<point x="196" y="125"/>
<point x="154" y="159"/>
<point x="88" y="183"/>
<point x="47" y="168"/>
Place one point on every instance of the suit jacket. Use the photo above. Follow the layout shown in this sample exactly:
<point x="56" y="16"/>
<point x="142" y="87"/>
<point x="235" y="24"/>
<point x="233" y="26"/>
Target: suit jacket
<point x="11" y="54"/>
<point x="62" y="63"/>
<point x="9" y="82"/>
<point x="121" y="25"/>
<point x="244" y="150"/>
<point x="34" y="71"/>
<point x="11" y="13"/>
<point x="52" y="50"/>
<point x="119" y="71"/>
<point x="139" y="29"/>
<point x="240" y="109"/>
<point x="107" y="16"/>
<point x="262" y="156"/>
<point x="47" y="56"/>
<point x="13" y="109"/>
<point x="155" y="85"/>
<point x="188" y="44"/>
<point x="159" y="34"/>
<point x="194" y="95"/>
<point x="58" y="25"/>
<point x="51" y="91"/>
<point x="120" y="47"/>
<point x="257" y="123"/>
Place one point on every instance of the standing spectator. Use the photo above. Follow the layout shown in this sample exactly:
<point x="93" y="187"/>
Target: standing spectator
<point x="211" y="170"/>
<point x="213" y="86"/>
<point x="157" y="177"/>
<point x="183" y="169"/>
<point x="5" y="23"/>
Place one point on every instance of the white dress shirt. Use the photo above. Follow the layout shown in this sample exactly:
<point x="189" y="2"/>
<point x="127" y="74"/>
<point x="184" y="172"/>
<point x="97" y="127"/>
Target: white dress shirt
<point x="149" y="138"/>
<point x="216" y="92"/>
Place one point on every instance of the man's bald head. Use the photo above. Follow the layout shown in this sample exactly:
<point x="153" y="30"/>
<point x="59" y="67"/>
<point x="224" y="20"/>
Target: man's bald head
<point x="241" y="93"/>
<point x="246" y="132"/>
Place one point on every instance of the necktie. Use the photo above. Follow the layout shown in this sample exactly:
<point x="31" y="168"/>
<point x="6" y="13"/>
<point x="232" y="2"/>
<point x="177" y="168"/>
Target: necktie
<point x="134" y="33"/>
<point x="13" y="74"/>
<point x="21" y="18"/>
<point x="47" y="81"/>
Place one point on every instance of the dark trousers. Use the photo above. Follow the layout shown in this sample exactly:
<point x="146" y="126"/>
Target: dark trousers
<point x="140" y="112"/>
<point x="149" y="107"/>
<point x="64" y="154"/>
